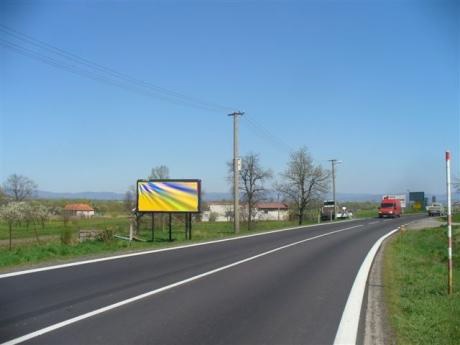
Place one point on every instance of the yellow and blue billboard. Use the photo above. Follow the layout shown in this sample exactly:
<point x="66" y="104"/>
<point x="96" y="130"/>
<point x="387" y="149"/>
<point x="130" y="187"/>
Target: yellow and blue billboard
<point x="168" y="196"/>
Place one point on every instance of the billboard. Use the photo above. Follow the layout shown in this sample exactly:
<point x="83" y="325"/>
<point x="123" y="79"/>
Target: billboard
<point x="418" y="199"/>
<point x="169" y="196"/>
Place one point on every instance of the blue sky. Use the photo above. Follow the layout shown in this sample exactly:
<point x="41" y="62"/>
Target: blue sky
<point x="373" y="83"/>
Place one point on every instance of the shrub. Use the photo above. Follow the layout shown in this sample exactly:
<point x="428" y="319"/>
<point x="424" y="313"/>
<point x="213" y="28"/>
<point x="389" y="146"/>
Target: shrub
<point x="107" y="234"/>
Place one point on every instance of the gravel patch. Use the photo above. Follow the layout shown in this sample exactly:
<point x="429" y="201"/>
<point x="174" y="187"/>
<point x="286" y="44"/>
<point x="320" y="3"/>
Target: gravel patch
<point x="425" y="223"/>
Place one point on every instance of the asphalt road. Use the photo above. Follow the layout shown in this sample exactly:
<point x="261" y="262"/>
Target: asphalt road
<point x="290" y="295"/>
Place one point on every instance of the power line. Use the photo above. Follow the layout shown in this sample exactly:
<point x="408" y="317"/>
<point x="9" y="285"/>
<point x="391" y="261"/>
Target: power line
<point x="84" y="67"/>
<point x="264" y="133"/>
<point x="112" y="72"/>
<point x="91" y="75"/>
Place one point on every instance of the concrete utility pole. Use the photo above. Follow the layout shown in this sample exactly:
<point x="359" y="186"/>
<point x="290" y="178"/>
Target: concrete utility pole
<point x="334" y="162"/>
<point x="236" y="169"/>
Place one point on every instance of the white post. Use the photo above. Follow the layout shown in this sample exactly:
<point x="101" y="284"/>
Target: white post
<point x="131" y="231"/>
<point x="449" y="224"/>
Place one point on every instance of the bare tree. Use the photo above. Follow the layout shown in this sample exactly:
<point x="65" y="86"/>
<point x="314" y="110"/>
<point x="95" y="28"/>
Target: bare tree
<point x="159" y="172"/>
<point x="128" y="201"/>
<point x="19" y="187"/>
<point x="302" y="181"/>
<point x="252" y="177"/>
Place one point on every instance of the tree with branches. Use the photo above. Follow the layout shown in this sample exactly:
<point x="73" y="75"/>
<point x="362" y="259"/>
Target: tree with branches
<point x="159" y="172"/>
<point x="19" y="188"/>
<point x="252" y="179"/>
<point x="302" y="181"/>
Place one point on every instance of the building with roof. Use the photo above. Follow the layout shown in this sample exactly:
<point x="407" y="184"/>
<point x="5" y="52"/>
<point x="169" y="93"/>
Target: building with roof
<point x="222" y="211"/>
<point x="272" y="211"/>
<point x="80" y="210"/>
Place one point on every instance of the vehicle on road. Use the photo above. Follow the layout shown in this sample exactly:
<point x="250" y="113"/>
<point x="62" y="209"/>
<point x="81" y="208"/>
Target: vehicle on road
<point x="435" y="209"/>
<point x="328" y="210"/>
<point x="390" y="208"/>
<point x="331" y="211"/>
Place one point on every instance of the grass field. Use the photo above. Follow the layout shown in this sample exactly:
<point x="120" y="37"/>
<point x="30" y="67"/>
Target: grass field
<point x="415" y="278"/>
<point x="27" y="251"/>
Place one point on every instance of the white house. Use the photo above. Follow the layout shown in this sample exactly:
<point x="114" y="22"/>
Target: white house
<point x="81" y="210"/>
<point x="222" y="211"/>
<point x="219" y="211"/>
<point x="272" y="211"/>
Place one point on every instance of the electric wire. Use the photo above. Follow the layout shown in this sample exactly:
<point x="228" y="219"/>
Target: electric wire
<point x="78" y="65"/>
<point x="112" y="72"/>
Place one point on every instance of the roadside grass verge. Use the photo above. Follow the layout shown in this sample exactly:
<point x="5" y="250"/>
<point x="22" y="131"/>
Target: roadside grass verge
<point x="415" y="275"/>
<point x="28" y="253"/>
<point x="456" y="217"/>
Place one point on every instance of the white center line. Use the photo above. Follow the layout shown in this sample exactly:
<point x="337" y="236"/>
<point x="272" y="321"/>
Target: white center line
<point x="164" y="288"/>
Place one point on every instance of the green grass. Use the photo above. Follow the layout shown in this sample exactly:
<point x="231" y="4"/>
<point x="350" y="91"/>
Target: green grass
<point x="456" y="218"/>
<point x="55" y="226"/>
<point x="415" y="278"/>
<point x="30" y="252"/>
<point x="372" y="213"/>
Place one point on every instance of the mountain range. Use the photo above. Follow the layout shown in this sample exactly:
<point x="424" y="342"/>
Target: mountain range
<point x="214" y="196"/>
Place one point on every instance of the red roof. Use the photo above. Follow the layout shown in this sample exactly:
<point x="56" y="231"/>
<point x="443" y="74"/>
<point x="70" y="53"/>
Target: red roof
<point x="78" y="207"/>
<point x="272" y="206"/>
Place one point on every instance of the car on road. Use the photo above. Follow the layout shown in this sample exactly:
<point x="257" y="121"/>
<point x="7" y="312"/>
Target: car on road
<point x="435" y="209"/>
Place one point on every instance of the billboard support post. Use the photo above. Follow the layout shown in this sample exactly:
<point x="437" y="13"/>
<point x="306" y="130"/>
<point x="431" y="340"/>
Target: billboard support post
<point x="153" y="226"/>
<point x="170" y="226"/>
<point x="190" y="226"/>
<point x="449" y="225"/>
<point x="186" y="225"/>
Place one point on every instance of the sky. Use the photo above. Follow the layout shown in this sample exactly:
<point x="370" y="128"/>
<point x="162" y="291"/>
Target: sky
<point x="375" y="84"/>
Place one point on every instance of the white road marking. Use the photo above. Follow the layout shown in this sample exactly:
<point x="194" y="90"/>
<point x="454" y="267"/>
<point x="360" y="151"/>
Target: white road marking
<point x="348" y="328"/>
<point x="374" y="222"/>
<point x="164" y="288"/>
<point x="108" y="258"/>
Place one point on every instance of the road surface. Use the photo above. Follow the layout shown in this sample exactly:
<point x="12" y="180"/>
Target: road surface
<point x="286" y="287"/>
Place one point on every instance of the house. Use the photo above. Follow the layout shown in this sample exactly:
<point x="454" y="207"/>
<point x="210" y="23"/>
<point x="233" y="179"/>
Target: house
<point x="81" y="210"/>
<point x="272" y="211"/>
<point x="218" y="211"/>
<point x="222" y="211"/>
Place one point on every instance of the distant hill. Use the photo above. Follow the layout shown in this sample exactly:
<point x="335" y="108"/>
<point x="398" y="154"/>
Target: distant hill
<point x="217" y="196"/>
<point x="81" y="195"/>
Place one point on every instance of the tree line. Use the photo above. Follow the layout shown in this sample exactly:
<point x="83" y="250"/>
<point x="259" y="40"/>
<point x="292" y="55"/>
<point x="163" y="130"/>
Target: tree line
<point x="301" y="184"/>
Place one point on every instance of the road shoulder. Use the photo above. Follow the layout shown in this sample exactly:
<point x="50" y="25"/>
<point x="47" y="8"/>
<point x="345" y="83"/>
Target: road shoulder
<point x="377" y="329"/>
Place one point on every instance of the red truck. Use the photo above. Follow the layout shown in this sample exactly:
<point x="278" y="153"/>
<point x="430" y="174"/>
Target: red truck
<point x="390" y="208"/>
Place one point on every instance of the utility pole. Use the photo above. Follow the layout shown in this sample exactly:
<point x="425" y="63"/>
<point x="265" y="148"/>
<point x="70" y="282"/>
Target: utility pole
<point x="236" y="169"/>
<point x="334" y="162"/>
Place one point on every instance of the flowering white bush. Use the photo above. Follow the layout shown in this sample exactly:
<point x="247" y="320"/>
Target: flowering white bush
<point x="12" y="214"/>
